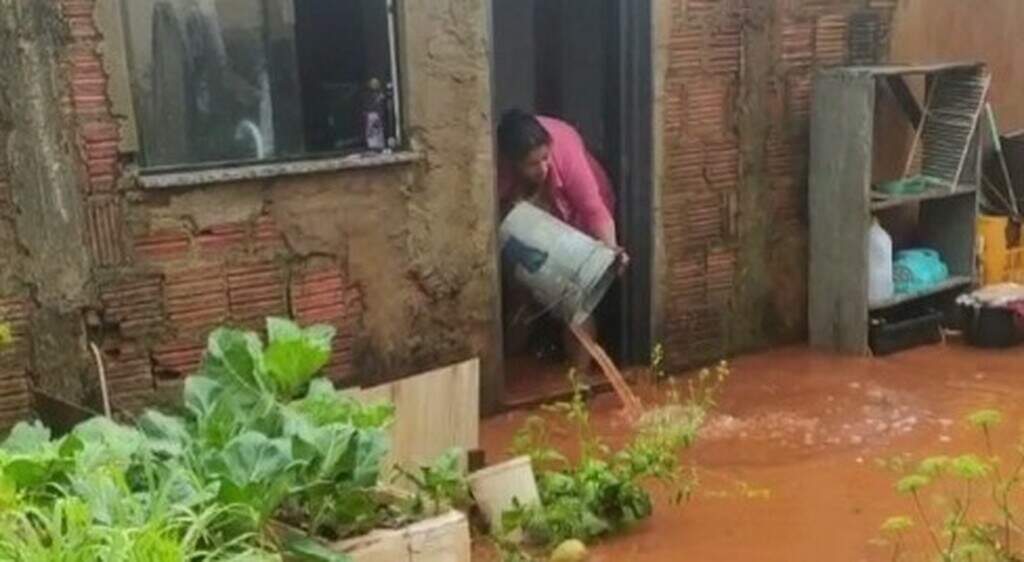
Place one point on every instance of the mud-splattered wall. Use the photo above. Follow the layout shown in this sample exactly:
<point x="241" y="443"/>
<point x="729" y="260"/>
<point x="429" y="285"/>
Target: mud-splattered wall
<point x="400" y="258"/>
<point x="734" y="81"/>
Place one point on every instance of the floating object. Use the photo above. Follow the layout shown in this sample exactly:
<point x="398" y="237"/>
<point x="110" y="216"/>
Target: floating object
<point x="570" y="551"/>
<point x="567" y="271"/>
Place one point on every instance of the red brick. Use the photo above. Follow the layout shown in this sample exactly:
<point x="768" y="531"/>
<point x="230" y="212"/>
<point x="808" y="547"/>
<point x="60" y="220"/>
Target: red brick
<point x="100" y="131"/>
<point x="162" y="245"/>
<point x="830" y="40"/>
<point x="196" y="300"/>
<point x="129" y="371"/>
<point x="105" y="231"/>
<point x="725" y="49"/>
<point x="708" y="107"/>
<point x="223" y="238"/>
<point x="178" y="358"/>
<point x="136" y="305"/>
<point x="797" y="43"/>
<point x="267" y="235"/>
<point x="256" y="292"/>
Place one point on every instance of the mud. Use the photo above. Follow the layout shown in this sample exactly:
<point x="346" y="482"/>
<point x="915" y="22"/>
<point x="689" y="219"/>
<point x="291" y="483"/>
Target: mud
<point x="789" y="462"/>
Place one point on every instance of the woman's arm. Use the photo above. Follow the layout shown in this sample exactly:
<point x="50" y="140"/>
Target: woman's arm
<point x="583" y="191"/>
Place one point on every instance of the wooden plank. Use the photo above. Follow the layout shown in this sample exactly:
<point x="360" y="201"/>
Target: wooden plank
<point x="435" y="412"/>
<point x="440" y="539"/>
<point x="840" y="176"/>
<point x="890" y="70"/>
<point x="956" y="282"/>
<point x="880" y="202"/>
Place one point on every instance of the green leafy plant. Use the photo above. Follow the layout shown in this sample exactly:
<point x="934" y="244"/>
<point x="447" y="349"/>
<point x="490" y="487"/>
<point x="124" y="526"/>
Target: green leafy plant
<point x="604" y="490"/>
<point x="260" y="437"/>
<point x="976" y="518"/>
<point x="99" y="494"/>
<point x="262" y="428"/>
<point x="439" y="486"/>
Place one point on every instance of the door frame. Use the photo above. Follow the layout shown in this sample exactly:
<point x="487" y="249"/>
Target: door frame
<point x="635" y="137"/>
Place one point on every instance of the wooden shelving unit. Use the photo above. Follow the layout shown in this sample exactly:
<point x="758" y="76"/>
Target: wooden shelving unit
<point x="842" y="201"/>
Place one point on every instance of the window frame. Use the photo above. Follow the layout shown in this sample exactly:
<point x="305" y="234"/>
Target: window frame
<point x="168" y="175"/>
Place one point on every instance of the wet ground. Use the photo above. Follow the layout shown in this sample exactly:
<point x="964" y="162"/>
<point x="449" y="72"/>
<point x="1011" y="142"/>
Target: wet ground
<point x="788" y="462"/>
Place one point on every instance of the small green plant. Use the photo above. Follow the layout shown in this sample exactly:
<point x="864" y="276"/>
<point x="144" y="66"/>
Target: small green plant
<point x="658" y="363"/>
<point x="262" y="437"/>
<point x="439" y="486"/>
<point x="978" y="516"/>
<point x="604" y="490"/>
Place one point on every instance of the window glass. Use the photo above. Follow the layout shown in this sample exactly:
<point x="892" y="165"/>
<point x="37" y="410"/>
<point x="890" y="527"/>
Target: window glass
<point x="237" y="81"/>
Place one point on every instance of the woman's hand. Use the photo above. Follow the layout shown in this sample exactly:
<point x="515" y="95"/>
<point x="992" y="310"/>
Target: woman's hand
<point x="622" y="259"/>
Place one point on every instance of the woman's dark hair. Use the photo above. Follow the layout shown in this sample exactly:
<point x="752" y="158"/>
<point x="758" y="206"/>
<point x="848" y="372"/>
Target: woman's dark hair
<point x="519" y="134"/>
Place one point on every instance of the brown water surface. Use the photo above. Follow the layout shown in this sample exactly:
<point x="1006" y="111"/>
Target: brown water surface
<point x="788" y="461"/>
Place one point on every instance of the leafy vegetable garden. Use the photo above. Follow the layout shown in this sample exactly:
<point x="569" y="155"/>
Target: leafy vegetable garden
<point x="267" y="461"/>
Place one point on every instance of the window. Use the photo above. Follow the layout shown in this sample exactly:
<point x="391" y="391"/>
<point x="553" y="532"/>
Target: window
<point x="243" y="81"/>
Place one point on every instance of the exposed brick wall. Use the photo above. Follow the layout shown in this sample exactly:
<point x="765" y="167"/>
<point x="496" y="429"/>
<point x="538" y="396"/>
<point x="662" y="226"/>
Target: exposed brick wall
<point x="704" y="171"/>
<point x="164" y="287"/>
<point x="15" y="398"/>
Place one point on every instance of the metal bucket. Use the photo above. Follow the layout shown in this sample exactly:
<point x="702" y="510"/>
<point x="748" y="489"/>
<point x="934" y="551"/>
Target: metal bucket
<point x="566" y="271"/>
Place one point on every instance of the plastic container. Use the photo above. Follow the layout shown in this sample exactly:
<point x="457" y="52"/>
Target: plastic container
<point x="496" y="489"/>
<point x="990" y="327"/>
<point x="373" y="115"/>
<point x="567" y="271"/>
<point x="892" y="335"/>
<point x="880" y="279"/>
<point x="1002" y="255"/>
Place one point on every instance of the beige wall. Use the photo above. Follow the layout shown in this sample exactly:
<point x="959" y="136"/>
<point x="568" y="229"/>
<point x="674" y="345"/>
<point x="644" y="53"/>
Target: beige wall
<point x="987" y="30"/>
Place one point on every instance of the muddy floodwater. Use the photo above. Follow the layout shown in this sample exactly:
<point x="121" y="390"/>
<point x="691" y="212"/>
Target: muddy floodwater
<point x="788" y="461"/>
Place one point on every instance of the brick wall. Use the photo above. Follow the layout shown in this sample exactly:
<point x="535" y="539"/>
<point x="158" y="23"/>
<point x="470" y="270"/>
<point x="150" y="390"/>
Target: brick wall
<point x="164" y="285"/>
<point x="706" y="180"/>
<point x="15" y="398"/>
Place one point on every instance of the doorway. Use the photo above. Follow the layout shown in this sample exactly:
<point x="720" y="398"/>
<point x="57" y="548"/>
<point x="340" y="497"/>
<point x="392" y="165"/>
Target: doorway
<point x="586" y="62"/>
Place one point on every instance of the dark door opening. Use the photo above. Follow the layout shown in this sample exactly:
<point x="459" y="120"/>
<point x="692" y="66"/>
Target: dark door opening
<point x="586" y="62"/>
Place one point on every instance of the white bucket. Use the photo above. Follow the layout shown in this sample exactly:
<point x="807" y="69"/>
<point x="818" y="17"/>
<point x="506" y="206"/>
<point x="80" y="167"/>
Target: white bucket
<point x="497" y="488"/>
<point x="572" y="271"/>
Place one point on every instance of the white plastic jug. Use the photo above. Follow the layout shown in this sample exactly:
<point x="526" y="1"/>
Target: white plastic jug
<point x="880" y="281"/>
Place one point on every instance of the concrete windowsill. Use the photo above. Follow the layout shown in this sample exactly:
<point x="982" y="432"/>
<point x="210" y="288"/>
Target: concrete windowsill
<point x="275" y="169"/>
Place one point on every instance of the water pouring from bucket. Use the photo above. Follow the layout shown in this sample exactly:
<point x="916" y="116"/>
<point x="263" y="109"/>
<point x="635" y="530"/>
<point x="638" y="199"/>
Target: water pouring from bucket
<point x="568" y="273"/>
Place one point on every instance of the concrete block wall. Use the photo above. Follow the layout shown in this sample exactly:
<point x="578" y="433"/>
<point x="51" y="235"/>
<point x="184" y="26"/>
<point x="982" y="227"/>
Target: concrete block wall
<point x="736" y="81"/>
